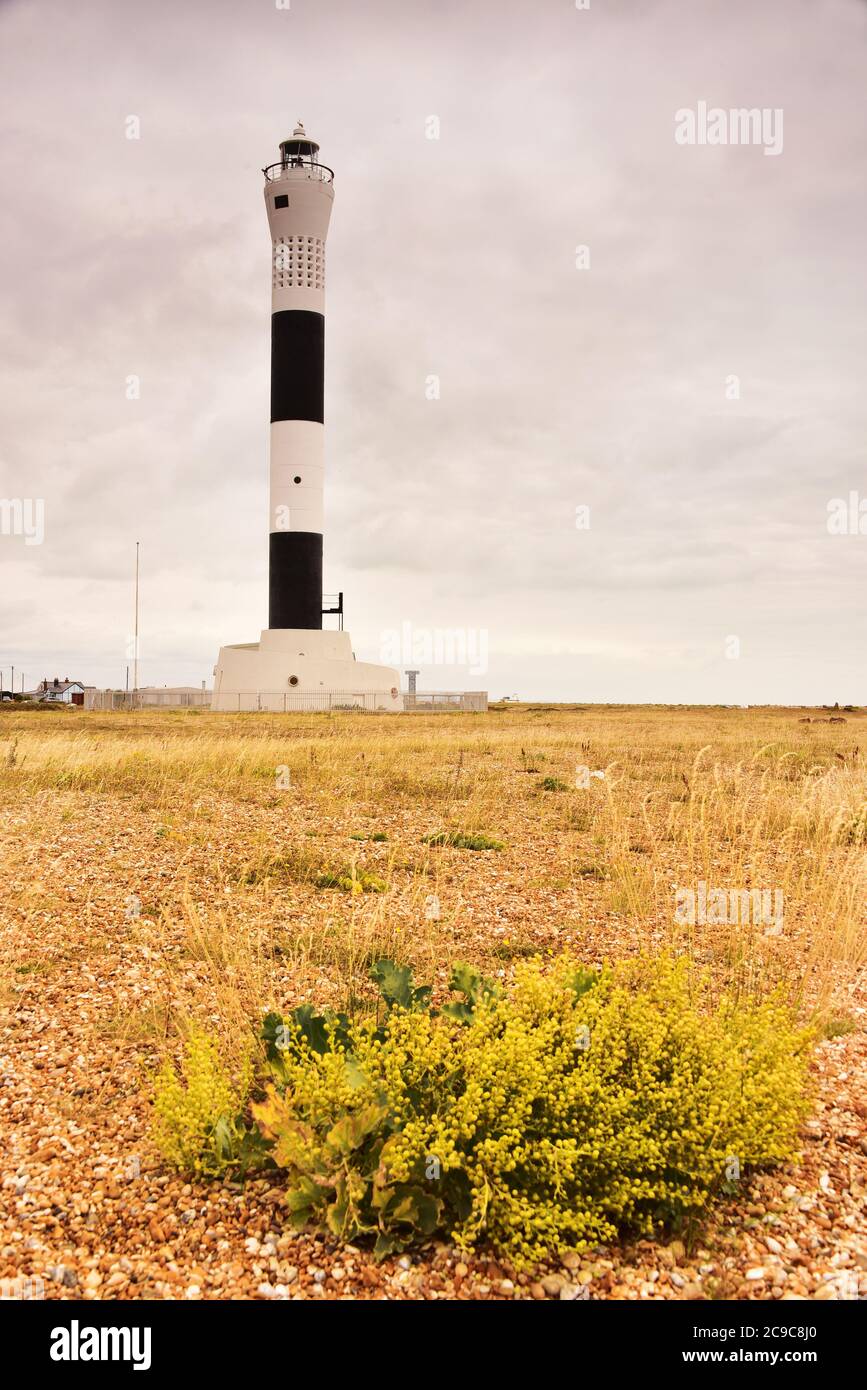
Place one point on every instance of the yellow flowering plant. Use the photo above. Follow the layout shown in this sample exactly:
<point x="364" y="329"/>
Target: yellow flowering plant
<point x="198" y="1121"/>
<point x="577" y="1106"/>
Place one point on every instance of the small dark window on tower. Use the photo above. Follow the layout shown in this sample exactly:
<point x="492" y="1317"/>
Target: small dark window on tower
<point x="282" y="200"/>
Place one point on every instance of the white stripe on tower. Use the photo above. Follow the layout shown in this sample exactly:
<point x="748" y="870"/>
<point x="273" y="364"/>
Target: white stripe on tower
<point x="297" y="475"/>
<point x="298" y="198"/>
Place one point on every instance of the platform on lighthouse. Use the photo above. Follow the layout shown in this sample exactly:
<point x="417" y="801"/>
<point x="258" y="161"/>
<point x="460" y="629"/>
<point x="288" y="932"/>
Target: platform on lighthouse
<point x="301" y="669"/>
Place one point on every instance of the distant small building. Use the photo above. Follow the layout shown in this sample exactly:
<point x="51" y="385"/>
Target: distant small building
<point x="64" y="692"/>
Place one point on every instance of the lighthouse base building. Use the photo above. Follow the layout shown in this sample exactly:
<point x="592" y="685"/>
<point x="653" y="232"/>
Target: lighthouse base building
<point x="295" y="664"/>
<point x="302" y="669"/>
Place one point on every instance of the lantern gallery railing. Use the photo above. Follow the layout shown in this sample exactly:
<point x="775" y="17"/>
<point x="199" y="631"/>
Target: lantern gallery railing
<point x="296" y="163"/>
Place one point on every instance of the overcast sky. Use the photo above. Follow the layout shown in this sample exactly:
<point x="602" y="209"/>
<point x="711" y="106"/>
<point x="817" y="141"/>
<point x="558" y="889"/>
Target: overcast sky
<point x="561" y="385"/>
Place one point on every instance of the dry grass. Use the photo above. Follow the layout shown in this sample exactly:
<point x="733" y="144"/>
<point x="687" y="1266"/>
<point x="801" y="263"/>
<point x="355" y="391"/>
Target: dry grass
<point x="160" y="869"/>
<point x="222" y="828"/>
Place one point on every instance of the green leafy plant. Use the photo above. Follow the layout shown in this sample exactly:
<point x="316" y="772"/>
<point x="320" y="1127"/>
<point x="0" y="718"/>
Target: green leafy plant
<point x="553" y="784"/>
<point x="573" y="1107"/>
<point x="302" y="1027"/>
<point x="460" y="840"/>
<point x="466" y="980"/>
<point x="576" y="1106"/>
<point x="351" y="880"/>
<point x="396" y="986"/>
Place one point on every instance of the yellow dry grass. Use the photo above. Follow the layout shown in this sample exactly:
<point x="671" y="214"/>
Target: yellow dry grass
<point x="224" y="830"/>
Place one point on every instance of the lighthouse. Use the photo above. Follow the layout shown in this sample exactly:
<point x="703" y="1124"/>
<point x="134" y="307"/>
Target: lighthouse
<point x="296" y="664"/>
<point x="299" y="192"/>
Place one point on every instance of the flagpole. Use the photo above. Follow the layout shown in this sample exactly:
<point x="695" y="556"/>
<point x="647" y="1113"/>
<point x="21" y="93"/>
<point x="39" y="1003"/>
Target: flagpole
<point x="135" y="649"/>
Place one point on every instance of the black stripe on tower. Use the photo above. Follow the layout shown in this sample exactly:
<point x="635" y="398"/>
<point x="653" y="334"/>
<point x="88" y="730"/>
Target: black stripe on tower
<point x="297" y="365"/>
<point x="297" y="393"/>
<point x="295" y="579"/>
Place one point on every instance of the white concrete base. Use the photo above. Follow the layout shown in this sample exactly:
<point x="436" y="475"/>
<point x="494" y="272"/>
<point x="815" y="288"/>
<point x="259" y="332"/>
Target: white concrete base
<point x="301" y="669"/>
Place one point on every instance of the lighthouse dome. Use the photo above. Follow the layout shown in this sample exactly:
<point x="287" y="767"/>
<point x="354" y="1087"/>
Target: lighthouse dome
<point x="298" y="146"/>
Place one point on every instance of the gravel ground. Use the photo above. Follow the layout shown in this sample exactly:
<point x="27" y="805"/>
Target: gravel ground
<point x="89" y="1211"/>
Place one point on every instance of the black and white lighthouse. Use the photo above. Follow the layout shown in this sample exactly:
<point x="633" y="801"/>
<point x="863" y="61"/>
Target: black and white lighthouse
<point x="296" y="664"/>
<point x="299" y="192"/>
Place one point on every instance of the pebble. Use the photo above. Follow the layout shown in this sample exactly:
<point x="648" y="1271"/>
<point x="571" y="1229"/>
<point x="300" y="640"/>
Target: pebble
<point x="553" y="1283"/>
<point x="101" y="1222"/>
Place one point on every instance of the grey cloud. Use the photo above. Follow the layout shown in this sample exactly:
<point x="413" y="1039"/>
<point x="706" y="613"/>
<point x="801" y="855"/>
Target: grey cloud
<point x="453" y="257"/>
